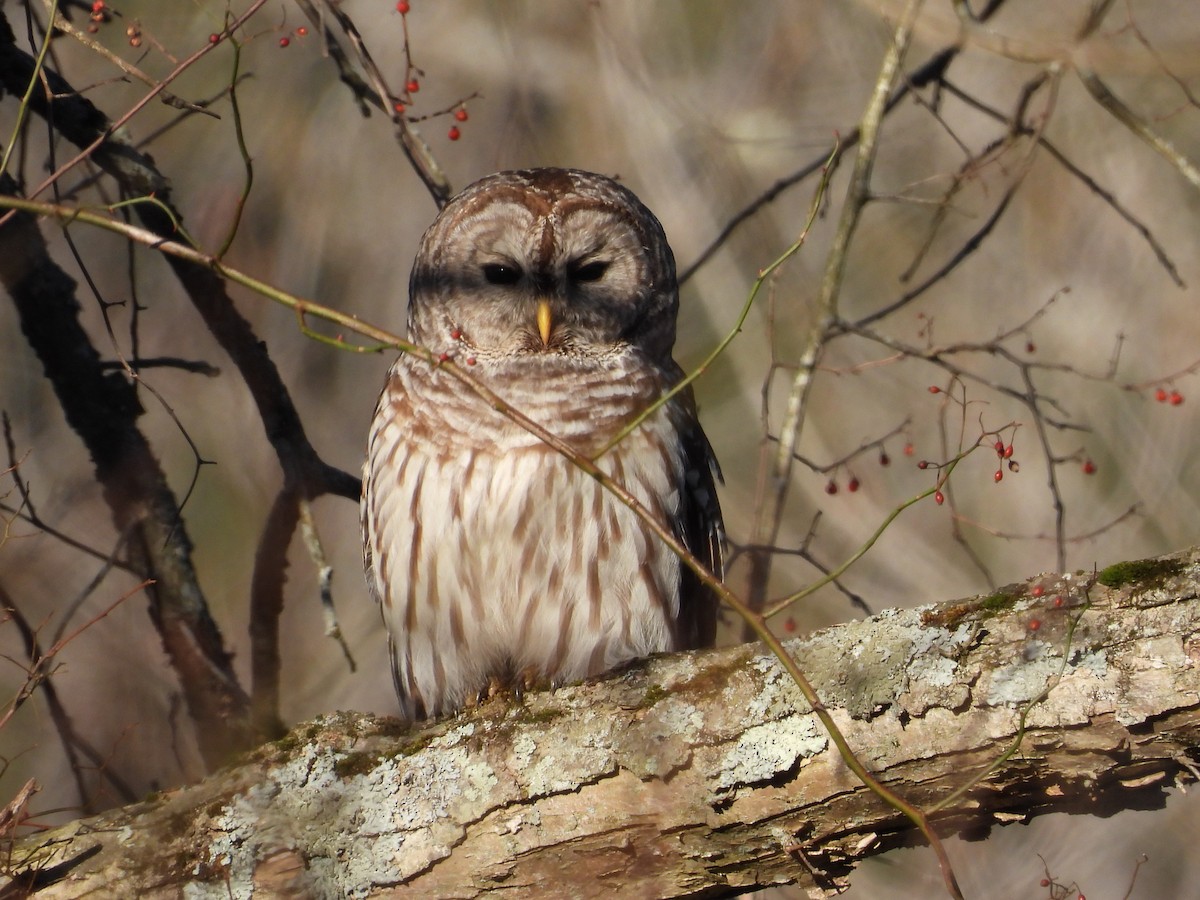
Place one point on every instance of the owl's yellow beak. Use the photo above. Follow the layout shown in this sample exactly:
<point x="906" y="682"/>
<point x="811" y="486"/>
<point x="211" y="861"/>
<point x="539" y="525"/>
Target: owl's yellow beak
<point x="544" y="321"/>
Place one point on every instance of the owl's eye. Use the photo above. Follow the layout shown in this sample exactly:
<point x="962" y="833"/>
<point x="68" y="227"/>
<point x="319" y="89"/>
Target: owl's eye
<point x="589" y="271"/>
<point x="501" y="273"/>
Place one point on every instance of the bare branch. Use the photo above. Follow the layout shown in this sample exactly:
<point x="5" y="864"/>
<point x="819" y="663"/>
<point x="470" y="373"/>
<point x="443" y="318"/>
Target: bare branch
<point x="103" y="409"/>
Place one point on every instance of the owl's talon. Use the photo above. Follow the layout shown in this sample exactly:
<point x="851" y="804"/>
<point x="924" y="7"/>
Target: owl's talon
<point x="495" y="686"/>
<point x="526" y="680"/>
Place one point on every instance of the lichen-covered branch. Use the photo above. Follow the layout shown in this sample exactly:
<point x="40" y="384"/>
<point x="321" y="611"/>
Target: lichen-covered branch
<point x="703" y="773"/>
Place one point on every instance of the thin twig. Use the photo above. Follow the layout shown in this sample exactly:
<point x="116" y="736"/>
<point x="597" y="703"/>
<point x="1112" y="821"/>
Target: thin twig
<point x="1140" y="127"/>
<point x="64" y="25"/>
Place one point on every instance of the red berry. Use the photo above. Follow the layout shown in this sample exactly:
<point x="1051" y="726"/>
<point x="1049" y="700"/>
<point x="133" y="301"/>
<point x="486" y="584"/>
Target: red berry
<point x="1035" y="624"/>
<point x="831" y="487"/>
<point x="455" y="334"/>
<point x="398" y="107"/>
<point x="470" y="360"/>
<point x="98" y="6"/>
<point x="884" y="459"/>
<point x="1008" y="451"/>
<point x="1030" y="347"/>
<point x="1037" y="590"/>
<point x="1161" y="395"/>
<point x="939" y="498"/>
<point x="402" y="7"/>
<point x="283" y="42"/>
<point x="1176" y="398"/>
<point x="412" y="86"/>
<point x="442" y="357"/>
<point x="909" y="449"/>
<point x="789" y="625"/>
<point x="213" y="38"/>
<point x="302" y="31"/>
<point x="923" y="464"/>
<point x="461" y="114"/>
<point x="999" y="448"/>
<point x="1045" y="882"/>
<point x="454" y="134"/>
<point x="1089" y="467"/>
<point x="934" y="389"/>
<point x="998" y="476"/>
<point x="1057" y="601"/>
<point x="852" y="486"/>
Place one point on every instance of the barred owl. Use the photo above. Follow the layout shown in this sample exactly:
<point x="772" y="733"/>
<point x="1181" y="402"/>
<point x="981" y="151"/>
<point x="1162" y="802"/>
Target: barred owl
<point x="495" y="560"/>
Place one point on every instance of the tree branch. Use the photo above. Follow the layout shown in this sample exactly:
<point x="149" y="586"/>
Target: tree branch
<point x="699" y="773"/>
<point x="103" y="408"/>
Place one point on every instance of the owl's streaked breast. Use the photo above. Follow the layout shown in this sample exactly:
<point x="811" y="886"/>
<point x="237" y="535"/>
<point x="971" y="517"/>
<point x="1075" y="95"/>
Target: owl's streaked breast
<point x="487" y="574"/>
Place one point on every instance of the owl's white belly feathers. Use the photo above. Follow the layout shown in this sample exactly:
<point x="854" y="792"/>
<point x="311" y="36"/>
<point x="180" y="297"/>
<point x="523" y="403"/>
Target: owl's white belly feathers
<point x="482" y="559"/>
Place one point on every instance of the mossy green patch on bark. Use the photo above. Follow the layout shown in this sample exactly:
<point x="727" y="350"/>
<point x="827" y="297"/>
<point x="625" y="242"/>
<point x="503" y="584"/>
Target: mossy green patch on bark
<point x="1147" y="573"/>
<point x="356" y="764"/>
<point x="653" y="694"/>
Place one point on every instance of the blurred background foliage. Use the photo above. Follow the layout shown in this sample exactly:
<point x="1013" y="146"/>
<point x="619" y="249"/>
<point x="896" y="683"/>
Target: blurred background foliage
<point x="699" y="107"/>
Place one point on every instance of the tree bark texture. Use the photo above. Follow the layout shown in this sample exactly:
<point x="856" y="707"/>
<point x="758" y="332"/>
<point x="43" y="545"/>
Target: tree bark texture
<point x="694" y="775"/>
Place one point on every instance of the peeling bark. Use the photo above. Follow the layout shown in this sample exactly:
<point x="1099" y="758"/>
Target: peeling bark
<point x="694" y="775"/>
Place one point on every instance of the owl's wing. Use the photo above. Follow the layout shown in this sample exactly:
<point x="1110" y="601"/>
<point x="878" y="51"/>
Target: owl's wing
<point x="700" y="528"/>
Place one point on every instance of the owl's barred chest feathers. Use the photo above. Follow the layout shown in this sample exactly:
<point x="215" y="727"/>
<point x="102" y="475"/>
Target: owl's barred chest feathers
<point x="518" y="563"/>
<point x="586" y="403"/>
<point x="496" y="559"/>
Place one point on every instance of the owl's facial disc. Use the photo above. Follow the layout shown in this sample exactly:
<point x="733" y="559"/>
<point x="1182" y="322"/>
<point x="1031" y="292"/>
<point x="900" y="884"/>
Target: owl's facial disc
<point x="541" y="263"/>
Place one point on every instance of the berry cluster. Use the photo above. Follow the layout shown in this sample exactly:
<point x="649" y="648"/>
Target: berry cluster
<point x="412" y="85"/>
<point x="1162" y="395"/>
<point x="456" y="335"/>
<point x="98" y="16"/>
<point x="102" y="12"/>
<point x="283" y="41"/>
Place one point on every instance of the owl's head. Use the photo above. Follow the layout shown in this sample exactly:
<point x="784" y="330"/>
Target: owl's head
<point x="545" y="261"/>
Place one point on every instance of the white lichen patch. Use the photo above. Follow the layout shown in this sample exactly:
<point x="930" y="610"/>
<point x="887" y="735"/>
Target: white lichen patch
<point x="894" y="658"/>
<point x="679" y="717"/>
<point x="779" y="694"/>
<point x="1094" y="663"/>
<point x="663" y="739"/>
<point x="412" y="808"/>
<point x="934" y="671"/>
<point x="551" y="774"/>
<point x="523" y="748"/>
<point x="768" y="750"/>
<point x="1021" y="680"/>
<point x="235" y="842"/>
<point x="454" y="736"/>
